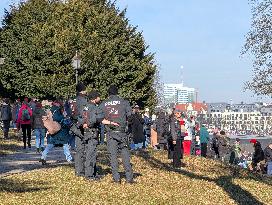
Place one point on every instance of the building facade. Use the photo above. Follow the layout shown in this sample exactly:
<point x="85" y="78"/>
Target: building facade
<point x="178" y="94"/>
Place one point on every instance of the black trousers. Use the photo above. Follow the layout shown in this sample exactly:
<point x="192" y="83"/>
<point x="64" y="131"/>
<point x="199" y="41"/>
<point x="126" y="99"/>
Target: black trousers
<point x="171" y="147"/>
<point x="216" y="151"/>
<point x="26" y="129"/>
<point x="117" y="143"/>
<point x="204" y="149"/>
<point x="178" y="153"/>
<point x="86" y="154"/>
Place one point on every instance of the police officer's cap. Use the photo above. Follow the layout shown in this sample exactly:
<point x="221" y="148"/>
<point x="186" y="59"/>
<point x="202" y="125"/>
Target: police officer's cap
<point x="80" y="87"/>
<point x="113" y="90"/>
<point x="93" y="95"/>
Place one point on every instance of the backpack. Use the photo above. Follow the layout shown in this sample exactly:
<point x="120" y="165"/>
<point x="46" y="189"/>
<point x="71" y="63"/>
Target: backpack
<point x="25" y="115"/>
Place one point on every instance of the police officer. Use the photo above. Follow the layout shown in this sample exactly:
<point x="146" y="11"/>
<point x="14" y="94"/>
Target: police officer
<point x="77" y="129"/>
<point x="93" y="116"/>
<point x="117" y="110"/>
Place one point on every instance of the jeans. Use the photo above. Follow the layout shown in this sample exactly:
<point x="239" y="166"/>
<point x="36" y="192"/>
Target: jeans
<point x="137" y="146"/>
<point x="72" y="141"/>
<point x="65" y="150"/>
<point x="269" y="168"/>
<point x="40" y="135"/>
<point x="147" y="140"/>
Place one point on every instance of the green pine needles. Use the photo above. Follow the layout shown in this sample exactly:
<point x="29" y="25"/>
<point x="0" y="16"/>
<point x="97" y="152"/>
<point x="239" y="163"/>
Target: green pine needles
<point x="39" y="39"/>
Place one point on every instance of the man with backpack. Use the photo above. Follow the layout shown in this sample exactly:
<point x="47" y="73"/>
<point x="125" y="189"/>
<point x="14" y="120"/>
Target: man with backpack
<point x="24" y="121"/>
<point x="6" y="117"/>
<point x="38" y="126"/>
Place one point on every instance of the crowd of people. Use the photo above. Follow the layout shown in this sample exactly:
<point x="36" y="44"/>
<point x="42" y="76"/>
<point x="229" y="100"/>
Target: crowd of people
<point x="194" y="139"/>
<point x="81" y="124"/>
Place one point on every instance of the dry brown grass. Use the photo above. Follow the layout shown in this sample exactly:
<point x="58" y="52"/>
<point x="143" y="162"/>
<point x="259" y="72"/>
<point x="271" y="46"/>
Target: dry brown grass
<point x="203" y="181"/>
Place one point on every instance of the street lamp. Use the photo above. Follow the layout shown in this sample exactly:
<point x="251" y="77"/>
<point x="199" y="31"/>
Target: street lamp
<point x="76" y="64"/>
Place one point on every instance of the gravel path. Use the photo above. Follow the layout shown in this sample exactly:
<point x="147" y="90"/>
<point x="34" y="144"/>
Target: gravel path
<point x="28" y="160"/>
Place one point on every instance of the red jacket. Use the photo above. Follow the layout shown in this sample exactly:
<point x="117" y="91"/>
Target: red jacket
<point x="19" y="120"/>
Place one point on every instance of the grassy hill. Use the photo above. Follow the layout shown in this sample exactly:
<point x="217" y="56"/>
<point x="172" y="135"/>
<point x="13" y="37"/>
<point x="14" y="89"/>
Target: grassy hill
<point x="203" y="181"/>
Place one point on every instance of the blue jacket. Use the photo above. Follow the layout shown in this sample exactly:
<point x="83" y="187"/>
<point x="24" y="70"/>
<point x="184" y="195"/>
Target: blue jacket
<point x="204" y="135"/>
<point x="62" y="136"/>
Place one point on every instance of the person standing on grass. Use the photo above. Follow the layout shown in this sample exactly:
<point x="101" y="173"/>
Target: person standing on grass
<point x="117" y="110"/>
<point x="177" y="130"/>
<point x="136" y="122"/>
<point x="6" y="116"/>
<point x="215" y="145"/>
<point x="24" y="122"/>
<point x="204" y="140"/>
<point x="147" y="127"/>
<point x="38" y="126"/>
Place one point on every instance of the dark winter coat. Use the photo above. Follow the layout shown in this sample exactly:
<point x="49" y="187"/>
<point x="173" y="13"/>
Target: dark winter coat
<point x="175" y="129"/>
<point x="268" y="154"/>
<point x="5" y="112"/>
<point x="137" y="129"/>
<point x="116" y="109"/>
<point x="62" y="136"/>
<point x="258" y="154"/>
<point x="162" y="127"/>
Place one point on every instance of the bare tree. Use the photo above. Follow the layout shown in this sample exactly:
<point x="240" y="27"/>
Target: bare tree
<point x="158" y="85"/>
<point x="259" y="44"/>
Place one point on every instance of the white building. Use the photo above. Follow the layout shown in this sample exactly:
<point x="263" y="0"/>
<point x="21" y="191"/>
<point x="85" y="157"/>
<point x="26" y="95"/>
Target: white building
<point x="177" y="93"/>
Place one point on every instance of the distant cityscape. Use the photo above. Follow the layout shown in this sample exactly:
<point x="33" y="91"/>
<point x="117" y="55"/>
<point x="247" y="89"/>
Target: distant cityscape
<point x="236" y="119"/>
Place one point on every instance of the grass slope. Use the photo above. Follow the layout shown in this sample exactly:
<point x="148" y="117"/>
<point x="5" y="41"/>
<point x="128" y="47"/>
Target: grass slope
<point x="203" y="181"/>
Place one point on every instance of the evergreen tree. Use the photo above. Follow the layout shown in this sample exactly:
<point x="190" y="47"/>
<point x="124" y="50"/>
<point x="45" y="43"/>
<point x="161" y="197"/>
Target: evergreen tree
<point x="40" y="37"/>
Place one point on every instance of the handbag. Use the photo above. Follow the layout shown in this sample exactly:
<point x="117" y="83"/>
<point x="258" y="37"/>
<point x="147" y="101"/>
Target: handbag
<point x="52" y="126"/>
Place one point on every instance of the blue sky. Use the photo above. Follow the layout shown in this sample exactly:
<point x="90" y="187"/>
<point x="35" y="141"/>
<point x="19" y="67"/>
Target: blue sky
<point x="203" y="36"/>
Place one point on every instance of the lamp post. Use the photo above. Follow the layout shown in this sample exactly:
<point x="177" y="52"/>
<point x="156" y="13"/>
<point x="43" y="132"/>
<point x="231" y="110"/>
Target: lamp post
<point x="76" y="64"/>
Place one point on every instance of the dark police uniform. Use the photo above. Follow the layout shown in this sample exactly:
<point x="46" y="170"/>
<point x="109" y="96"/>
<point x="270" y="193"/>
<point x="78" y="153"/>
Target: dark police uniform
<point x="94" y="117"/>
<point x="81" y="103"/>
<point x="116" y="109"/>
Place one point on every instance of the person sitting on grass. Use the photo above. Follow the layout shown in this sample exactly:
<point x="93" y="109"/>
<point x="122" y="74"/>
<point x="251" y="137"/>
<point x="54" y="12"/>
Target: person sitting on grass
<point x="258" y="156"/>
<point x="268" y="158"/>
<point x="235" y="152"/>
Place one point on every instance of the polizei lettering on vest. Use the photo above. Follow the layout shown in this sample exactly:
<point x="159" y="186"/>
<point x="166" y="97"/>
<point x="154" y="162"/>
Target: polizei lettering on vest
<point x="112" y="103"/>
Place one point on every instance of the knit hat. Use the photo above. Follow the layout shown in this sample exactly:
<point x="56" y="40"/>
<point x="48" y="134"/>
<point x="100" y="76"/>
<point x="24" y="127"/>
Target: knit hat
<point x="80" y="87"/>
<point x="254" y="141"/>
<point x="93" y="95"/>
<point x="113" y="90"/>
